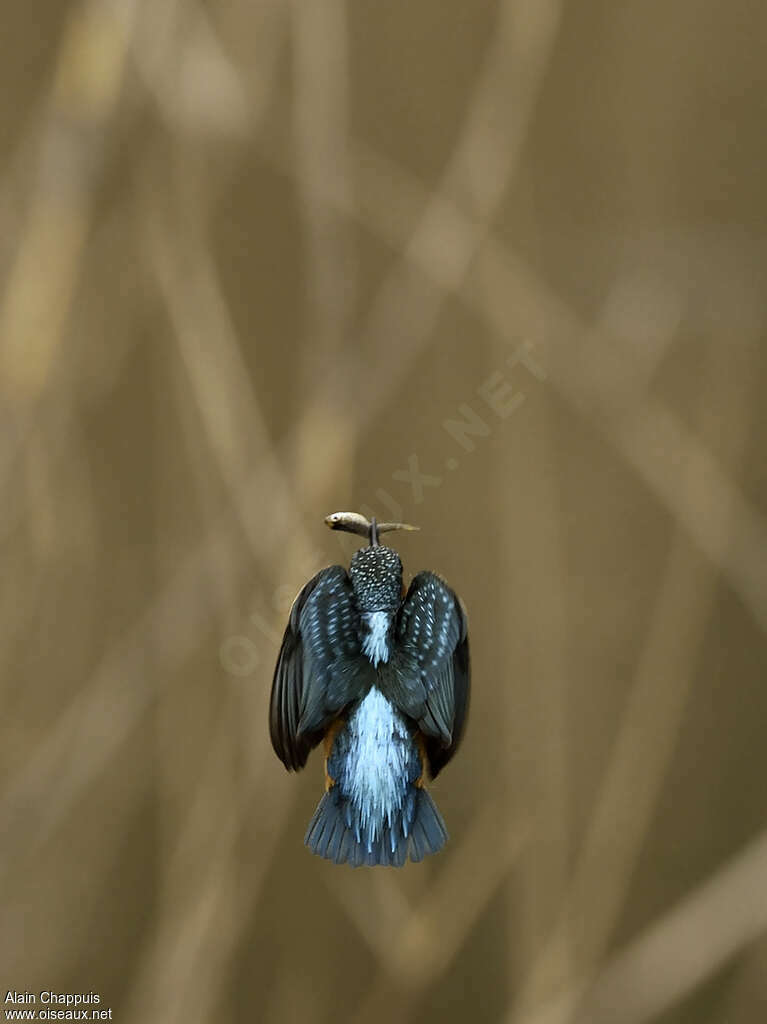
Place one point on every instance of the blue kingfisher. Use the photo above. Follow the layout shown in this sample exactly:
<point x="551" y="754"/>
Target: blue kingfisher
<point x="381" y="675"/>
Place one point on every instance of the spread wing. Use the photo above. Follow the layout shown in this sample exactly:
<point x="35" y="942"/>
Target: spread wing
<point x="431" y="665"/>
<point x="320" y="668"/>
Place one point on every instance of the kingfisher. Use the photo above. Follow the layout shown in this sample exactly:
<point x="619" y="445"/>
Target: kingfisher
<point x="381" y="676"/>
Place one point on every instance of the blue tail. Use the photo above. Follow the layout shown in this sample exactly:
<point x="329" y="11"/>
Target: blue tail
<point x="416" y="829"/>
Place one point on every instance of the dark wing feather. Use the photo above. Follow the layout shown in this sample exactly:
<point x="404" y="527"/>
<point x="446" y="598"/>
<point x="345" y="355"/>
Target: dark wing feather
<point x="320" y="668"/>
<point x="430" y="670"/>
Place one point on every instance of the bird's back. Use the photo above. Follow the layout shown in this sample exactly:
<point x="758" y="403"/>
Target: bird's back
<point x="375" y="809"/>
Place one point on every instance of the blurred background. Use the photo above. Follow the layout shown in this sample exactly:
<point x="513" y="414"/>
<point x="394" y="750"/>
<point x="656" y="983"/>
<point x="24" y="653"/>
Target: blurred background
<point x="497" y="268"/>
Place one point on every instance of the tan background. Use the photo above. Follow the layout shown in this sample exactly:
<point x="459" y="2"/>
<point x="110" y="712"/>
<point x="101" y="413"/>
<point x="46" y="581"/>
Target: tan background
<point x="253" y="255"/>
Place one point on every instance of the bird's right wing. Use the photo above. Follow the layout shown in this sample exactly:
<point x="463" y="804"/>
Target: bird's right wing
<point x="320" y="668"/>
<point x="431" y="673"/>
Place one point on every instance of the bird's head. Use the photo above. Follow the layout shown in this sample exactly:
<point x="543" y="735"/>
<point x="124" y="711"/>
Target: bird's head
<point x="376" y="570"/>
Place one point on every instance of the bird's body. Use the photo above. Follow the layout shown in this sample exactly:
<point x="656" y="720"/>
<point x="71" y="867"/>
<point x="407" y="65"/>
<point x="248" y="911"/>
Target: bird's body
<point x="383" y="678"/>
<point x="374" y="766"/>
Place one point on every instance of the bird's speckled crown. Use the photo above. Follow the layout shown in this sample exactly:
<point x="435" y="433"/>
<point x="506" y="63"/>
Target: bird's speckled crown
<point x="376" y="574"/>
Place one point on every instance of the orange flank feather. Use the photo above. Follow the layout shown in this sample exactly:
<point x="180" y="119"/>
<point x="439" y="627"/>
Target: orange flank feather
<point x="422" y="755"/>
<point x="333" y="730"/>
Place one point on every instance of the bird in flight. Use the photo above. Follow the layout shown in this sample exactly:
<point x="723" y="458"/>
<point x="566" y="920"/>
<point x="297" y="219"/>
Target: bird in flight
<point x="381" y="676"/>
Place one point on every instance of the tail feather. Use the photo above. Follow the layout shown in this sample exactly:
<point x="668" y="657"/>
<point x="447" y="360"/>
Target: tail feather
<point x="429" y="832"/>
<point x="336" y="833"/>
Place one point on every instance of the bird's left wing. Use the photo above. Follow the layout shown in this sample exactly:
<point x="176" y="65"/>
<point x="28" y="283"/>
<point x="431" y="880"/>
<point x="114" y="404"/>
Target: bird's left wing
<point x="431" y="673"/>
<point x="319" y="669"/>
